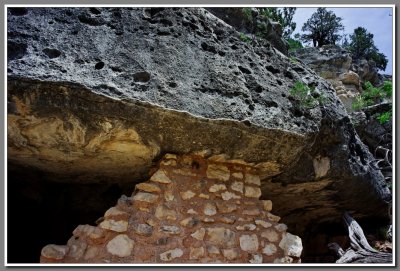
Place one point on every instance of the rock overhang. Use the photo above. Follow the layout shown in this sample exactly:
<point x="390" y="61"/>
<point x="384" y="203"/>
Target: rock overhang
<point x="180" y="81"/>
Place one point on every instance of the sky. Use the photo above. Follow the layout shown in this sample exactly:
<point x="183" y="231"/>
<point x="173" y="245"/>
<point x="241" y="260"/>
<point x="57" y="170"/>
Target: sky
<point x="376" y="20"/>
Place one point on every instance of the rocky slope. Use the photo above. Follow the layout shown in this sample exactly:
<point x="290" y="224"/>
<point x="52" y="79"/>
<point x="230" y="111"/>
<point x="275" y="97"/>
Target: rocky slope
<point x="100" y="94"/>
<point x="347" y="75"/>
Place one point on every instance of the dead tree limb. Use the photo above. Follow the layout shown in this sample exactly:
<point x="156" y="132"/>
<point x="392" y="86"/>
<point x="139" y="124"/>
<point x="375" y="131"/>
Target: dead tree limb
<point x="360" y="251"/>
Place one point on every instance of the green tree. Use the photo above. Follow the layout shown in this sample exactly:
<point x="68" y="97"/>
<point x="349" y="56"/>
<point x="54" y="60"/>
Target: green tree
<point x="362" y="46"/>
<point x="323" y="27"/>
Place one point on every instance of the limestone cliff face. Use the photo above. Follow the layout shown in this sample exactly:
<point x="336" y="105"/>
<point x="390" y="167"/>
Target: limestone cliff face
<point x="337" y="66"/>
<point x="102" y="93"/>
<point x="191" y="210"/>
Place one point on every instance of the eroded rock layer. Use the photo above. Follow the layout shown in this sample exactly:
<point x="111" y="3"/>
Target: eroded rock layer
<point x="103" y="93"/>
<point x="191" y="210"/>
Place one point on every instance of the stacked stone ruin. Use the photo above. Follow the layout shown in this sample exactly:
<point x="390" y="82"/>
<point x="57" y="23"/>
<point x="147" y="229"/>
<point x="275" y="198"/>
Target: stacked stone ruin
<point x="192" y="210"/>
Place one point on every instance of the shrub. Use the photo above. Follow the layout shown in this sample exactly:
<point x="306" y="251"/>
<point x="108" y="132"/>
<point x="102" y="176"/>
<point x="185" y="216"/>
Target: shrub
<point x="244" y="38"/>
<point x="372" y="95"/>
<point x="293" y="60"/>
<point x="305" y="95"/>
<point x="294" y="44"/>
<point x="384" y="117"/>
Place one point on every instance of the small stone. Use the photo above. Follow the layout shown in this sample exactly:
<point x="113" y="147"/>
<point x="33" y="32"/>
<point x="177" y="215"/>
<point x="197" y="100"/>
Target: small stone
<point x="113" y="211"/>
<point x="237" y="186"/>
<point x="170" y="156"/>
<point x="187" y="160"/>
<point x="285" y="259"/>
<point x="218" y="172"/>
<point x="245" y="219"/>
<point x="124" y="201"/>
<point x="246" y="227"/>
<point x="143" y="229"/>
<point x="256" y="259"/>
<point x="204" y="196"/>
<point x="120" y="246"/>
<point x="227" y="219"/>
<point x="221" y="236"/>
<point x="217" y="187"/>
<point x="273" y="218"/>
<point x="196" y="253"/>
<point x="199" y="234"/>
<point x="168" y="162"/>
<point x="212" y="249"/>
<point x="228" y="195"/>
<point x="163" y="212"/>
<point x="281" y="227"/>
<point x="252" y="179"/>
<point x="230" y="254"/>
<point x="162" y="241"/>
<point x="149" y="187"/>
<point x="146" y="197"/>
<point x="170" y="229"/>
<point x="249" y="243"/>
<point x="270" y="235"/>
<point x="151" y="222"/>
<point x="251" y="212"/>
<point x="55" y="252"/>
<point x="169" y="195"/>
<point x="187" y="194"/>
<point x="226" y="208"/>
<point x="267" y="204"/>
<point x="291" y="245"/>
<point x="263" y="223"/>
<point x="160" y="177"/>
<point x="192" y="212"/>
<point x="90" y="231"/>
<point x="112" y="225"/>
<point x="144" y="209"/>
<point x="252" y="192"/>
<point x="184" y="172"/>
<point x="269" y="249"/>
<point x="210" y="209"/>
<point x="208" y="220"/>
<point x="238" y="175"/>
<point x="189" y="222"/>
<point x="171" y="254"/>
<point x="91" y="252"/>
<point x="76" y="248"/>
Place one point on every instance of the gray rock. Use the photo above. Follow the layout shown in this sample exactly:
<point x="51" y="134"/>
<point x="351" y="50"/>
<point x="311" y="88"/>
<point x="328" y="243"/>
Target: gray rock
<point x="120" y="246"/>
<point x="54" y="252"/>
<point x="256" y="258"/>
<point x="269" y="249"/>
<point x="137" y="79"/>
<point x="291" y="245"/>
<point x="143" y="229"/>
<point x="170" y="229"/>
<point x="249" y="243"/>
<point x="221" y="236"/>
<point x="236" y="18"/>
<point x="171" y="254"/>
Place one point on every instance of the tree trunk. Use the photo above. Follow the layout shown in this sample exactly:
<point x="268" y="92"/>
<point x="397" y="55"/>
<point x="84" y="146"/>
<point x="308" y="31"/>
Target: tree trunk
<point x="360" y="251"/>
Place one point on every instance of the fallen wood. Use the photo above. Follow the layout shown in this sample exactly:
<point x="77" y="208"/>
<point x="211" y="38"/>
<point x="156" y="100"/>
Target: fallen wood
<point x="360" y="250"/>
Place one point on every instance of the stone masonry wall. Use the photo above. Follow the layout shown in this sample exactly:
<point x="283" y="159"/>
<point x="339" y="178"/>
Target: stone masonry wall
<point x="192" y="210"/>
